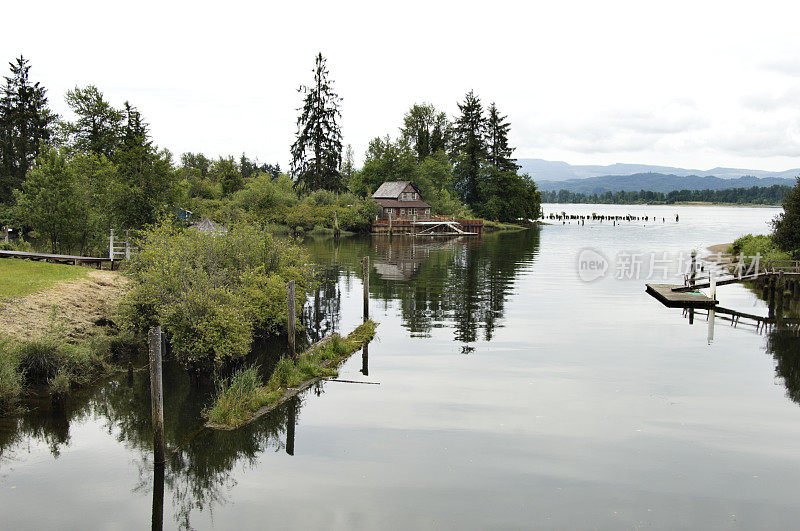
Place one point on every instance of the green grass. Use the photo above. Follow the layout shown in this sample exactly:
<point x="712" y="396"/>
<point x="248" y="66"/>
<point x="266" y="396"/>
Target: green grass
<point x="239" y="397"/>
<point x="23" y="277"/>
<point x="497" y="225"/>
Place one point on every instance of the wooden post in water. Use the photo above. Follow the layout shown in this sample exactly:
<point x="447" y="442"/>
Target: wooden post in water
<point x="781" y="290"/>
<point x="291" y="421"/>
<point x="290" y="317"/>
<point x="365" y="263"/>
<point x="693" y="269"/>
<point x="156" y="394"/>
<point x="771" y="294"/>
<point x="157" y="522"/>
<point x="365" y="359"/>
<point x="713" y="284"/>
<point x="711" y="319"/>
<point x="336" y="232"/>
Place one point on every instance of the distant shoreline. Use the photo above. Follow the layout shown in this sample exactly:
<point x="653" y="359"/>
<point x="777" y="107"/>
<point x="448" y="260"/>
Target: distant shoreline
<point x="681" y="203"/>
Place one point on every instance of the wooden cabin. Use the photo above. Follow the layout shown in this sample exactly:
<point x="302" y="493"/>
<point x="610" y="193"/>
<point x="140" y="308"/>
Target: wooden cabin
<point x="401" y="200"/>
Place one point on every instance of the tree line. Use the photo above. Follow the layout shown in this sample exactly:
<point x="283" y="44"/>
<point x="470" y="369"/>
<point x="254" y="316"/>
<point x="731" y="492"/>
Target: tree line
<point x="68" y="182"/>
<point x="461" y="166"/>
<point x="756" y="195"/>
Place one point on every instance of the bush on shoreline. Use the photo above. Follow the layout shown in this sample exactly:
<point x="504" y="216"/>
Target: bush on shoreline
<point x="761" y="244"/>
<point x="213" y="293"/>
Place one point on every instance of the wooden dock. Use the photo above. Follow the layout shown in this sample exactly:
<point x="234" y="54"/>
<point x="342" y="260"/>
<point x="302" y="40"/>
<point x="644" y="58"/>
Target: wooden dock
<point x="667" y="294"/>
<point x="430" y="226"/>
<point x="62" y="258"/>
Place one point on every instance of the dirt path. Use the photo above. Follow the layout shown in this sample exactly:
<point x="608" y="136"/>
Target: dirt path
<point x="77" y="308"/>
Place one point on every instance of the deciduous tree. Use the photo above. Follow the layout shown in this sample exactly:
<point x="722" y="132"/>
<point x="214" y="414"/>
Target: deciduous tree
<point x="787" y="224"/>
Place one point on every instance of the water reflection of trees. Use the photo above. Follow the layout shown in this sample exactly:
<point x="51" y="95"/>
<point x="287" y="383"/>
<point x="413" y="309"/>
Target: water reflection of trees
<point x="784" y="346"/>
<point x="199" y="471"/>
<point x="463" y="281"/>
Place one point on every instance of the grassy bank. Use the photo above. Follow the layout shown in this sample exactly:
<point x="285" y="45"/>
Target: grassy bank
<point x="240" y="397"/>
<point x="57" y="329"/>
<point x="52" y="365"/>
<point x="23" y="277"/>
<point x="489" y="226"/>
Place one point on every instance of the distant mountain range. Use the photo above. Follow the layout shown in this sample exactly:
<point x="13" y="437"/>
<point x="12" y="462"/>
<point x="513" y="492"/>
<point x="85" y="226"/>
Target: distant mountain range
<point x="547" y="170"/>
<point x="657" y="182"/>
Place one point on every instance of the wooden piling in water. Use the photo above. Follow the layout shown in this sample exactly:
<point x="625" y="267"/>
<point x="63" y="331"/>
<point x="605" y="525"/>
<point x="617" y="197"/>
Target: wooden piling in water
<point x="291" y="421"/>
<point x="157" y="522"/>
<point x="290" y="317"/>
<point x="365" y="359"/>
<point x="771" y="294"/>
<point x="781" y="289"/>
<point x="156" y="394"/>
<point x="365" y="263"/>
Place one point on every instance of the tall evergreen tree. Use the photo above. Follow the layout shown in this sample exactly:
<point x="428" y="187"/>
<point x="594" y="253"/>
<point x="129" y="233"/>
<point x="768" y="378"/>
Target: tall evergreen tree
<point x="499" y="152"/>
<point x="25" y="123"/>
<point x="348" y="164"/>
<point x="425" y="130"/>
<point x="317" y="151"/>
<point x="469" y="148"/>
<point x="145" y="174"/>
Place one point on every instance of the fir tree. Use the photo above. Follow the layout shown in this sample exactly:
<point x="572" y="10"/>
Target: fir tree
<point x="317" y="151"/>
<point x="25" y="123"/>
<point x="469" y="148"/>
<point x="499" y="152"/>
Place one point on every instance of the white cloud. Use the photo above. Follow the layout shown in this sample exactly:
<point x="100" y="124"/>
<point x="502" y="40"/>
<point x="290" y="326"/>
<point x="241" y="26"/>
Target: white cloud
<point x="685" y="83"/>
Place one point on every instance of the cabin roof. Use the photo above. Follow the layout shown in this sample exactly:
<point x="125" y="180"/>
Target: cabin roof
<point x="209" y="227"/>
<point x="392" y="189"/>
<point x="394" y="203"/>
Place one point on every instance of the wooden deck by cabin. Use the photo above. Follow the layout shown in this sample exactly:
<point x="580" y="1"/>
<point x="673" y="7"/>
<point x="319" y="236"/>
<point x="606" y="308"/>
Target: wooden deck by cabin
<point x="433" y="226"/>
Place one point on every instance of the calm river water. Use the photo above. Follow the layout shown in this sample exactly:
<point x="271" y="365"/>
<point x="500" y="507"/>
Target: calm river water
<point x="513" y="394"/>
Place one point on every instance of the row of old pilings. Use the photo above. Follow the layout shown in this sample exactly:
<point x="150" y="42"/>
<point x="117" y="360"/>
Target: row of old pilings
<point x="564" y="217"/>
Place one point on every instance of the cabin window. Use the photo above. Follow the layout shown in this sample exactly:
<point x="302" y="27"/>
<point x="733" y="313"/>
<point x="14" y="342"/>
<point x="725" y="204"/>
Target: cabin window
<point x="388" y="210"/>
<point x="402" y="211"/>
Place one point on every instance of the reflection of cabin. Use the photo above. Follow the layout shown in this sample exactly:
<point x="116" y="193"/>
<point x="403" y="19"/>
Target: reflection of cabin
<point x="401" y="200"/>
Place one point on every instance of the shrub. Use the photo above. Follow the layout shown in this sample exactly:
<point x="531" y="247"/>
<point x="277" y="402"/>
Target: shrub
<point x="213" y="292"/>
<point x="761" y="244"/>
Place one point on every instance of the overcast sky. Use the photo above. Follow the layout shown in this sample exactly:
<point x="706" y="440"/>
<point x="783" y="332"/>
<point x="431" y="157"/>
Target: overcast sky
<point x="691" y="84"/>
